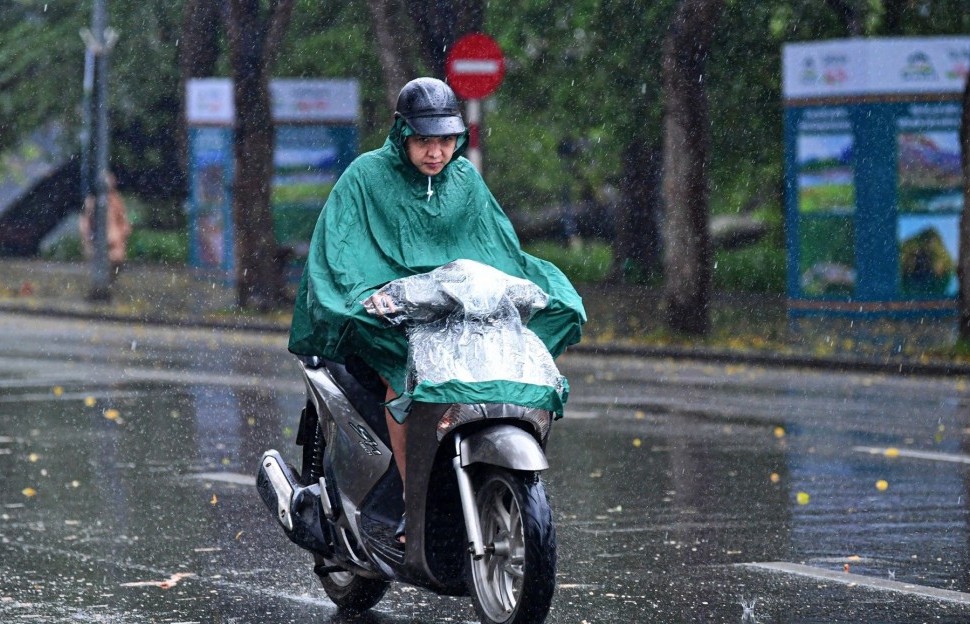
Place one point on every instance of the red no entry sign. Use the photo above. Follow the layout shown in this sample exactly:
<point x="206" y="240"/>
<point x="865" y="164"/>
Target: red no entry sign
<point x="475" y="66"/>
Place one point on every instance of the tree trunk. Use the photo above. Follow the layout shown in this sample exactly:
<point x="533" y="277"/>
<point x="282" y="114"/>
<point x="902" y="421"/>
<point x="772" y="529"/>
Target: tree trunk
<point x="394" y="47"/>
<point x="440" y="23"/>
<point x="850" y="16"/>
<point x="198" y="54"/>
<point x="254" y="41"/>
<point x="637" y="245"/>
<point x="963" y="268"/>
<point x="686" y="147"/>
<point x="894" y="16"/>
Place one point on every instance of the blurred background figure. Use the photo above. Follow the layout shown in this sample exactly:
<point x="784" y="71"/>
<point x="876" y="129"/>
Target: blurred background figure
<point x="119" y="228"/>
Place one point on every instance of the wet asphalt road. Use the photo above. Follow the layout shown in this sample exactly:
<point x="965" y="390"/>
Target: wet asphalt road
<point x="680" y="489"/>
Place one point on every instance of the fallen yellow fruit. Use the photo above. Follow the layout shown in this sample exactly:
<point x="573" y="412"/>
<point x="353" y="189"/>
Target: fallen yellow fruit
<point x="891" y="452"/>
<point x="802" y="498"/>
<point x="882" y="485"/>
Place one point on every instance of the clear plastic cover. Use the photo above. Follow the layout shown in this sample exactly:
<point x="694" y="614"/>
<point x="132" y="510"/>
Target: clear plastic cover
<point x="466" y="321"/>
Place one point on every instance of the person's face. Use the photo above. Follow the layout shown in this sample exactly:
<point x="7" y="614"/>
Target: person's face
<point x="430" y="154"/>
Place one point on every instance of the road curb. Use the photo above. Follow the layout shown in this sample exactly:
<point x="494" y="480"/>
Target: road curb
<point x="704" y="354"/>
<point x="725" y="356"/>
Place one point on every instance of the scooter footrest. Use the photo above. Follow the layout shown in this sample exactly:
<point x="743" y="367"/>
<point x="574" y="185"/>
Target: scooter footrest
<point x="297" y="508"/>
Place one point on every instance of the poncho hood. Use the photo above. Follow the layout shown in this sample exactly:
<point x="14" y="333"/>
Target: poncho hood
<point x="385" y="220"/>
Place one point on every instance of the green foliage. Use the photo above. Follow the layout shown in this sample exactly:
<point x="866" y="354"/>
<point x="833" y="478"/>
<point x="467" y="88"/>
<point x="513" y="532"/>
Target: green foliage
<point x="331" y="39"/>
<point x="962" y="348"/>
<point x="586" y="70"/>
<point x="145" y="97"/>
<point x="588" y="263"/>
<point x="155" y="246"/>
<point x="64" y="249"/>
<point x="756" y="269"/>
<point x="41" y="64"/>
<point x="158" y="246"/>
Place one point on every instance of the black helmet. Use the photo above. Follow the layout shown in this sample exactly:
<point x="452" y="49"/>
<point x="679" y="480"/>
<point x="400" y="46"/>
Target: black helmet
<point x="430" y="107"/>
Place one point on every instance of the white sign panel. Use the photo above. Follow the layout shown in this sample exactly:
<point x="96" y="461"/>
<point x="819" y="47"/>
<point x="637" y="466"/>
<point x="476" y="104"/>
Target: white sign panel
<point x="210" y="101"/>
<point x="826" y="68"/>
<point x="850" y="67"/>
<point x="334" y="101"/>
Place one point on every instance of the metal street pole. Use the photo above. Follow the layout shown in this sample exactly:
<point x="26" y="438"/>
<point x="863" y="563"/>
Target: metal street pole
<point x="473" y="108"/>
<point x="100" y="270"/>
<point x="86" y="114"/>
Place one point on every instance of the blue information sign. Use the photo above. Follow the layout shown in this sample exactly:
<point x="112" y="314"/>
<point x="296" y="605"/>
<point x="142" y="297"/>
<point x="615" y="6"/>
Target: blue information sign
<point x="316" y="138"/>
<point x="872" y="174"/>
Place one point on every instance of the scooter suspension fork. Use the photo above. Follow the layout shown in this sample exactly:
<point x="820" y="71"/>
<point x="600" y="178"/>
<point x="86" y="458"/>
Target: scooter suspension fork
<point x="469" y="506"/>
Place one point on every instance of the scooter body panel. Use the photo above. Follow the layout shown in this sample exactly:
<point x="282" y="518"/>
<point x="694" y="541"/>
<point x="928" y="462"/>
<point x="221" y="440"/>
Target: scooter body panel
<point x="355" y="452"/>
<point x="503" y="445"/>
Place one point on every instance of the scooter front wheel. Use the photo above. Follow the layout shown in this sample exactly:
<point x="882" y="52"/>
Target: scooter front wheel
<point x="515" y="580"/>
<point x="349" y="591"/>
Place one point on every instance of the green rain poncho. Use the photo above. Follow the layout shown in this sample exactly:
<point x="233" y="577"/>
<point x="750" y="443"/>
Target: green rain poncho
<point x="385" y="220"/>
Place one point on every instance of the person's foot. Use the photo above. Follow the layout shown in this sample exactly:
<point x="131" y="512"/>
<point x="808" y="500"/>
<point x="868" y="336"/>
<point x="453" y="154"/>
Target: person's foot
<point x="399" y="532"/>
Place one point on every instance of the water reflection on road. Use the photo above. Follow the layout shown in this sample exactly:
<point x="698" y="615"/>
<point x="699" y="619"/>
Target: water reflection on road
<point x="126" y="494"/>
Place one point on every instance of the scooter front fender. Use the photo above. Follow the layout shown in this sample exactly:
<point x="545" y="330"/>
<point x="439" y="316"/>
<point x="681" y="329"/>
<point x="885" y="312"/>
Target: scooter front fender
<point x="503" y="445"/>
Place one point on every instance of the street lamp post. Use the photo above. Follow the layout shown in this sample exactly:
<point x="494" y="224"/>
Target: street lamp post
<point x="99" y="41"/>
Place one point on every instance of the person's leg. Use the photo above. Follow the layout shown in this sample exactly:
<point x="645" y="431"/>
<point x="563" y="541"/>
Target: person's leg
<point x="398" y="433"/>
<point x="399" y="436"/>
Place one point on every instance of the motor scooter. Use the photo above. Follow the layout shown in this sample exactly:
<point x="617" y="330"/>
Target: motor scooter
<point x="478" y="521"/>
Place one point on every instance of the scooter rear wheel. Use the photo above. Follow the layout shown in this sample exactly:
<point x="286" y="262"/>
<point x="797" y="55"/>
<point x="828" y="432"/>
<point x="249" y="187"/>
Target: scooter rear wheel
<point x="515" y="580"/>
<point x="349" y="591"/>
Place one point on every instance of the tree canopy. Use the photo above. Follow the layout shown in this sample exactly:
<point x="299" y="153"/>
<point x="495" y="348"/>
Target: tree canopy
<point x="587" y="70"/>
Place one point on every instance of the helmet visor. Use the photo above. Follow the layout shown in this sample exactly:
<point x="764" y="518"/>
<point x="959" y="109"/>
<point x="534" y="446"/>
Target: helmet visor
<point x="436" y="125"/>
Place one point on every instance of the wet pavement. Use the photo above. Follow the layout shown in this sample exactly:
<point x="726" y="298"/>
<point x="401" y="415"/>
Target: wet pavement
<point x="681" y="489"/>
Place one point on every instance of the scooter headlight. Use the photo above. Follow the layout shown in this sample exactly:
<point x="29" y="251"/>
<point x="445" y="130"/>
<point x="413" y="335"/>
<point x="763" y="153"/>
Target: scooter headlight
<point x="459" y="414"/>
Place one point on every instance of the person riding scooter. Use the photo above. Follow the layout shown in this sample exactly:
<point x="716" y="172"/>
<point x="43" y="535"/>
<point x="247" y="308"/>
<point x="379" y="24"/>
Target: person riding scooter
<point x="406" y="208"/>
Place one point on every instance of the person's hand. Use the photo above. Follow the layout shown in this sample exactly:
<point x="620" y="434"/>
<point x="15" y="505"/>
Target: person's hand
<point x="380" y="305"/>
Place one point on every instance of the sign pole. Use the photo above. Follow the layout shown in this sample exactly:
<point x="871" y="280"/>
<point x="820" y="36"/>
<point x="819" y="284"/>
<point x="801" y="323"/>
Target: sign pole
<point x="100" y="271"/>
<point x="473" y="109"/>
<point x="474" y="68"/>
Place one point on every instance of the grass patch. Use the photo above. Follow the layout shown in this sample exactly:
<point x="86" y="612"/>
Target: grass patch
<point x="165" y="247"/>
<point x="587" y="264"/>
<point x="756" y="269"/>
